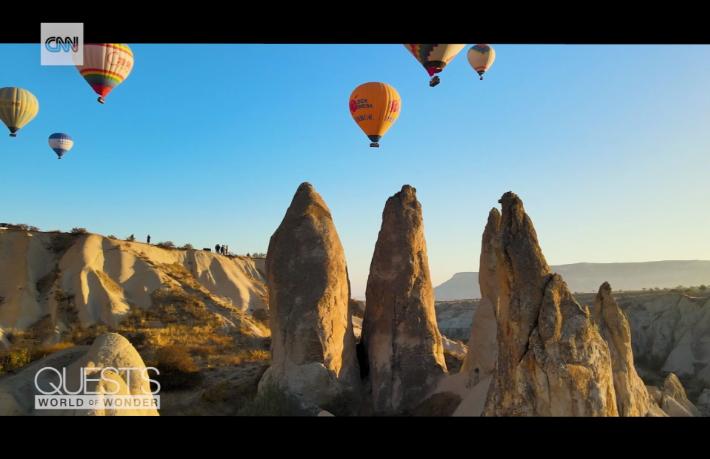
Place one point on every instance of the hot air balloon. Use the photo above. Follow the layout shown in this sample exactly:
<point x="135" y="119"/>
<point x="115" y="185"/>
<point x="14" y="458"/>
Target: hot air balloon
<point x="434" y="57"/>
<point x="481" y="58"/>
<point x="105" y="66"/>
<point x="375" y="107"/>
<point x="60" y="143"/>
<point x="17" y="108"/>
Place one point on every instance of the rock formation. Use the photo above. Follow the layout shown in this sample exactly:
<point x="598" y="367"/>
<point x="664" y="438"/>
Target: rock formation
<point x="111" y="352"/>
<point x="674" y="400"/>
<point x="313" y="346"/>
<point x="400" y="337"/>
<point x="482" y="344"/>
<point x="632" y="398"/>
<point x="551" y="359"/>
<point x="87" y="279"/>
<point x="670" y="334"/>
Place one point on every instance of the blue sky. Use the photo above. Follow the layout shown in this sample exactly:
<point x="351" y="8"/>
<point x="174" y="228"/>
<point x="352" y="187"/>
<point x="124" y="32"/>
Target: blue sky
<point x="608" y="146"/>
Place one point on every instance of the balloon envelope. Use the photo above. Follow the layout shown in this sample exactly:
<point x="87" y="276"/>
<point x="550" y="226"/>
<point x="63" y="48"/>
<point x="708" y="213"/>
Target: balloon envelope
<point x="481" y="58"/>
<point x="434" y="57"/>
<point x="105" y="66"/>
<point x="375" y="107"/>
<point x="17" y="108"/>
<point x="60" y="143"/>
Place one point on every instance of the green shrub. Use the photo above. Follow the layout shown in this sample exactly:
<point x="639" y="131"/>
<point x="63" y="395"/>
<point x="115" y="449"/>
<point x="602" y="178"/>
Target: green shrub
<point x="166" y="244"/>
<point x="187" y="247"/>
<point x="79" y="231"/>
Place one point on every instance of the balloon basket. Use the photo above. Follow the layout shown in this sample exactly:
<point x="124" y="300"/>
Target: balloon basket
<point x="375" y="145"/>
<point x="434" y="81"/>
<point x="101" y="100"/>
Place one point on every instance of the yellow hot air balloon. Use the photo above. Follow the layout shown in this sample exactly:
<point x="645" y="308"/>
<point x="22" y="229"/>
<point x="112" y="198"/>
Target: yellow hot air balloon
<point x="375" y="107"/>
<point x="105" y="66"/>
<point x="17" y="108"/>
<point x="434" y="57"/>
<point x="481" y="58"/>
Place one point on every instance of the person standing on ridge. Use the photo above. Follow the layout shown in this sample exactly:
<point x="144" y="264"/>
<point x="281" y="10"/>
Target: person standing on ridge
<point x="216" y="248"/>
<point x="148" y="239"/>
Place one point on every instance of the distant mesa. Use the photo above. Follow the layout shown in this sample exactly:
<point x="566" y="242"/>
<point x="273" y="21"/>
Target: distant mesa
<point x="587" y="277"/>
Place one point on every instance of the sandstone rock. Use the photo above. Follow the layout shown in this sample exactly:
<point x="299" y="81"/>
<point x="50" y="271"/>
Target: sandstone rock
<point x="313" y="345"/>
<point x="675" y="401"/>
<point x="106" y="383"/>
<point x="632" y="397"/>
<point x="655" y="394"/>
<point x="124" y="372"/>
<point x="455" y="348"/>
<point x="662" y="340"/>
<point x="19" y="389"/>
<point x="83" y="280"/>
<point x="482" y="344"/>
<point x="400" y="335"/>
<point x="551" y="359"/>
<point x="455" y="318"/>
<point x="474" y="401"/>
<point x="125" y="368"/>
<point x="670" y="332"/>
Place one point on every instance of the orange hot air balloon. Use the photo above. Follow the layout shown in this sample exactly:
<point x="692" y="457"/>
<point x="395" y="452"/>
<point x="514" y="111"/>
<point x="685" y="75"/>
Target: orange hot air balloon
<point x="375" y="107"/>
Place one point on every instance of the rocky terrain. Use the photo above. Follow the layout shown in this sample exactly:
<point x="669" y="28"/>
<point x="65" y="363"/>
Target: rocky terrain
<point x="109" y="350"/>
<point x="669" y="333"/>
<point x="199" y="315"/>
<point x="235" y="337"/>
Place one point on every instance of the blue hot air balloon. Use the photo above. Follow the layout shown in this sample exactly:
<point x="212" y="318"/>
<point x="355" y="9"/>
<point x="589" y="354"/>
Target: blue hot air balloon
<point x="60" y="143"/>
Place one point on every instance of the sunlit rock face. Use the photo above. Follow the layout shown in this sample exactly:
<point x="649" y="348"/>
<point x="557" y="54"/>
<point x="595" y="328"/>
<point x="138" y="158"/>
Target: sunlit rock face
<point x="400" y="335"/>
<point x="313" y="345"/>
<point x="482" y="344"/>
<point x="632" y="398"/>
<point x="551" y="360"/>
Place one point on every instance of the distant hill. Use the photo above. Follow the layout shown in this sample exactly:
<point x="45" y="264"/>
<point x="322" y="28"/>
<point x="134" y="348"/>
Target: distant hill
<point x="587" y="277"/>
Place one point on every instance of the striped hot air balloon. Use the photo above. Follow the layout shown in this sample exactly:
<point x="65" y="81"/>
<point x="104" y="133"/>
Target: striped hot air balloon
<point x="481" y="58"/>
<point x="434" y="57"/>
<point x="105" y="66"/>
<point x="375" y="107"/>
<point x="60" y="143"/>
<point x="17" y="108"/>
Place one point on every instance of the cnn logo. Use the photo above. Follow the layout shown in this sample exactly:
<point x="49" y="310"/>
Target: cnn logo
<point x="62" y="43"/>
